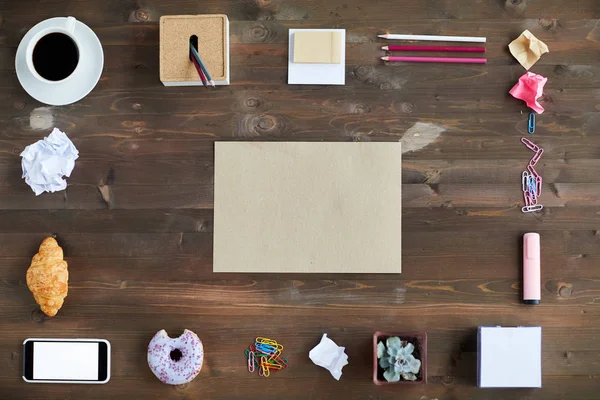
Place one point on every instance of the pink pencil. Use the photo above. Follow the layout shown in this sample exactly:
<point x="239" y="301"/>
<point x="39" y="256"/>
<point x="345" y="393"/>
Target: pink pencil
<point x="435" y="59"/>
<point x="456" y="49"/>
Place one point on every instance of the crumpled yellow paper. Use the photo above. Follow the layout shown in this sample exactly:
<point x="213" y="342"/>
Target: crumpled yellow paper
<point x="527" y="49"/>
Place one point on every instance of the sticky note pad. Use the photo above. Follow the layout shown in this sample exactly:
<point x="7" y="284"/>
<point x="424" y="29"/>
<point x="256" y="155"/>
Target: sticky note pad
<point x="510" y="357"/>
<point x="317" y="47"/>
<point x="303" y="207"/>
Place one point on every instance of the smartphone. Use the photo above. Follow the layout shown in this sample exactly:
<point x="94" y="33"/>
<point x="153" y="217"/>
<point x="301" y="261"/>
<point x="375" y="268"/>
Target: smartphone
<point x="66" y="361"/>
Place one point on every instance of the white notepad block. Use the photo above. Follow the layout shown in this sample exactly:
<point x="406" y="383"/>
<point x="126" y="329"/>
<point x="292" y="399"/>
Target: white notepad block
<point x="316" y="74"/>
<point x="510" y="357"/>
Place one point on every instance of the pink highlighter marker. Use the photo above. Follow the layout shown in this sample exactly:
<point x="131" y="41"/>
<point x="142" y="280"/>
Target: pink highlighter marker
<point x="531" y="268"/>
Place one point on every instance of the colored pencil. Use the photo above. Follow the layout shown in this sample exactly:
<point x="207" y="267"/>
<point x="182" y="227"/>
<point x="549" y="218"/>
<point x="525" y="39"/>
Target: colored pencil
<point x="435" y="38"/>
<point x="197" y="57"/>
<point x="200" y="73"/>
<point x="452" y="49"/>
<point x="436" y="60"/>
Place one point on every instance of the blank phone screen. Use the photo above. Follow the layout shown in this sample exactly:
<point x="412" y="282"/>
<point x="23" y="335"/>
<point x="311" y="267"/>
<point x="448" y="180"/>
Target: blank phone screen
<point x="65" y="361"/>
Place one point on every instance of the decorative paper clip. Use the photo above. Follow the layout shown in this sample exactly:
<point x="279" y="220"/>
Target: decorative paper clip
<point x="534" y="160"/>
<point x="536" y="207"/>
<point x="524" y="180"/>
<point x="531" y="181"/>
<point x="531" y="124"/>
<point x="251" y="361"/>
<point x="530" y="145"/>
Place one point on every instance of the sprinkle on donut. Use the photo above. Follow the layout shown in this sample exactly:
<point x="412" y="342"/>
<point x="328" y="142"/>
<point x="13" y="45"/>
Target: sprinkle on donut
<point x="175" y="360"/>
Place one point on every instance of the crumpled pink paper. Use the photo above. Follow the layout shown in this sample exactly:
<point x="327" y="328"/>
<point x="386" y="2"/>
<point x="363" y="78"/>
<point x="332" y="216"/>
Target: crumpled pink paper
<point x="530" y="88"/>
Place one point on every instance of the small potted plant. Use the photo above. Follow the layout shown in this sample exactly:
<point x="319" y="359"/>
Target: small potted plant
<point x="399" y="358"/>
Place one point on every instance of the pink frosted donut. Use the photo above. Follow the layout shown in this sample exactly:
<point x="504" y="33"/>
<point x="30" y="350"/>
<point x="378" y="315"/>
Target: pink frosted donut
<point x="175" y="360"/>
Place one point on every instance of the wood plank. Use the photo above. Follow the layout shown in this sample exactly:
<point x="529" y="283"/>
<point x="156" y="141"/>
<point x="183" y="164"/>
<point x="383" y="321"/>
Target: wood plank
<point x="444" y="147"/>
<point x="193" y="170"/>
<point x="142" y="197"/>
<point x="441" y="220"/>
<point x="336" y="11"/>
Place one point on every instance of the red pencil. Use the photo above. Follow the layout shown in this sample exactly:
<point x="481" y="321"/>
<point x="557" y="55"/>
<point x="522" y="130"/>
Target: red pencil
<point x="200" y="73"/>
<point x="454" y="49"/>
<point x="435" y="60"/>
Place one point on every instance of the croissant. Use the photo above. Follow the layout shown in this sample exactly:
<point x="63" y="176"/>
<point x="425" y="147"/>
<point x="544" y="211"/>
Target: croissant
<point x="47" y="277"/>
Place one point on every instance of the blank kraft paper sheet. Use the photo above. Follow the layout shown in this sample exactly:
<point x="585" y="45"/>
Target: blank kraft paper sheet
<point x="307" y="207"/>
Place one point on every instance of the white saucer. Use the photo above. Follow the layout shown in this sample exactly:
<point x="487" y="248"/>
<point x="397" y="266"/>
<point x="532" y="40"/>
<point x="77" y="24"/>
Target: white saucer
<point x="89" y="69"/>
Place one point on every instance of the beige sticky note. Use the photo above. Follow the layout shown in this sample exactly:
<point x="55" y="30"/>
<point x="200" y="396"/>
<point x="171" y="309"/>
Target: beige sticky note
<point x="307" y="207"/>
<point x="317" y="47"/>
<point x="527" y="49"/>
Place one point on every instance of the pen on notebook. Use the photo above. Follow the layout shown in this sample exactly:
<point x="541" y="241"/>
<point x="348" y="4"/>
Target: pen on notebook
<point x="452" y="49"/>
<point x="437" y="38"/>
<point x="435" y="60"/>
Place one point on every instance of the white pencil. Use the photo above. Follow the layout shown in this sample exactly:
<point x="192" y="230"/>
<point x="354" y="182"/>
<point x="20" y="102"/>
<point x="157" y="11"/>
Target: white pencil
<point x="435" y="38"/>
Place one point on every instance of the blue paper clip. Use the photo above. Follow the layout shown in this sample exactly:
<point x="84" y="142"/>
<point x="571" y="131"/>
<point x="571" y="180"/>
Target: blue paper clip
<point x="531" y="124"/>
<point x="532" y="184"/>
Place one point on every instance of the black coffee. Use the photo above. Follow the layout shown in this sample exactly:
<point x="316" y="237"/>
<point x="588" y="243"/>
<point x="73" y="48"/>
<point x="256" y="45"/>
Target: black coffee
<point x="55" y="56"/>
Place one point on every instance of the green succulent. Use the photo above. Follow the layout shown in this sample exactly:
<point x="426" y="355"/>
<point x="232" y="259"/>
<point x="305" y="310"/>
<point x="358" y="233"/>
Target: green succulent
<point x="396" y="358"/>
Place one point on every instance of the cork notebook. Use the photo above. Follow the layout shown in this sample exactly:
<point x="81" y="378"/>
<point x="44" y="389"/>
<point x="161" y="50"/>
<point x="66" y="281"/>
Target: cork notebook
<point x="212" y="32"/>
<point x="307" y="207"/>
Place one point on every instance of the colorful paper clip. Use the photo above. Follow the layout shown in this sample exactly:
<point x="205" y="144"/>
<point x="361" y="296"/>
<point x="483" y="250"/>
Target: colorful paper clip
<point x="531" y="181"/>
<point x="531" y="124"/>
<point x="264" y="355"/>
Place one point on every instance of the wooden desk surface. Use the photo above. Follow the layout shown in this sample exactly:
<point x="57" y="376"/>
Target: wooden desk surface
<point x="136" y="219"/>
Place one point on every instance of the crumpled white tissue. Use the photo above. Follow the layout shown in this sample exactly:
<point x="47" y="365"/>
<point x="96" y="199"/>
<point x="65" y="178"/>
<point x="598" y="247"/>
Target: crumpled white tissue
<point x="46" y="162"/>
<point x="330" y="356"/>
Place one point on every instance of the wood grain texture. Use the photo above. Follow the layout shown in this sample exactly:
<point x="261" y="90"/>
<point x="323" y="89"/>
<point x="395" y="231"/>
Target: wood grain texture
<point x="136" y="221"/>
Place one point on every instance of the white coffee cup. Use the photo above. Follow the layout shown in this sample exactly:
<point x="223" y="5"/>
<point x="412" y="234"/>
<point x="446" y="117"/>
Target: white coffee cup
<point x="68" y="28"/>
<point x="82" y="79"/>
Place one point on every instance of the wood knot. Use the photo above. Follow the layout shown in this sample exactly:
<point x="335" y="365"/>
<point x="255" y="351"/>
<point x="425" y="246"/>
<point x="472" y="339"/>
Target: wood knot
<point x="565" y="291"/>
<point x="253" y="102"/>
<point x="252" y="125"/>
<point x="19" y="105"/>
<point x="136" y="106"/>
<point x="38" y="316"/>
<point x="516" y="6"/>
<point x="407" y="107"/>
<point x="259" y="32"/>
<point x="361" y="71"/>
<point x="447" y="380"/>
<point x="385" y="86"/>
<point x="266" y="123"/>
<point x="262" y="3"/>
<point x="142" y="15"/>
<point x="360" y="109"/>
<point x="548" y="24"/>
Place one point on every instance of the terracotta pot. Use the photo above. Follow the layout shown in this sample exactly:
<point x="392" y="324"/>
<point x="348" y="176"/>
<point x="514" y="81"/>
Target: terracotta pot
<point x="418" y="339"/>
